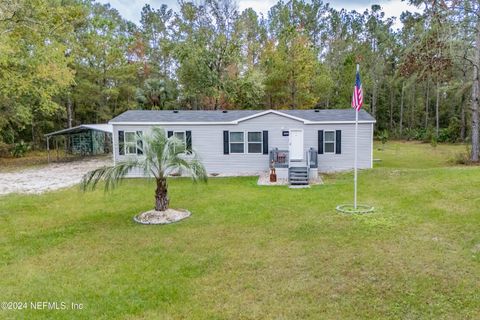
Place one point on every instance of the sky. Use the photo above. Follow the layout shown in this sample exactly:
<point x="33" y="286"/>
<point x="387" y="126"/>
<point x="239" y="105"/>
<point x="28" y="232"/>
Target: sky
<point x="130" y="9"/>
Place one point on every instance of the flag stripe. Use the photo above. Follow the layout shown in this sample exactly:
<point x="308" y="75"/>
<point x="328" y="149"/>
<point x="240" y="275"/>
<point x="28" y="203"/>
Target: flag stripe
<point x="357" y="98"/>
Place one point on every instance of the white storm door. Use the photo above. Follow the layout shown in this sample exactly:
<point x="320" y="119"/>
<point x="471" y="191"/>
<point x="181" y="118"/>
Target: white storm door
<point x="296" y="144"/>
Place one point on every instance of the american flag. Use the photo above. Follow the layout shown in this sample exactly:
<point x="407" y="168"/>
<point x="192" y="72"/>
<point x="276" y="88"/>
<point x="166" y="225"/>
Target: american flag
<point x="357" y="99"/>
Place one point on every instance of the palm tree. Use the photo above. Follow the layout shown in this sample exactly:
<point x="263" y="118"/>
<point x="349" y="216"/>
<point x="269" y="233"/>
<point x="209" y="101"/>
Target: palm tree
<point x="161" y="156"/>
<point x="154" y="94"/>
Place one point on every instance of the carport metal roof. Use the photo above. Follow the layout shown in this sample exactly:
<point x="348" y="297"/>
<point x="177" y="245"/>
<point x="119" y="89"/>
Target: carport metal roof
<point x="83" y="127"/>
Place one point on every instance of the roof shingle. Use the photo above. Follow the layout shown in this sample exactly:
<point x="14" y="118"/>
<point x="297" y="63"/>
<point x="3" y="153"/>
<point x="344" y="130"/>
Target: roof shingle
<point x="190" y="116"/>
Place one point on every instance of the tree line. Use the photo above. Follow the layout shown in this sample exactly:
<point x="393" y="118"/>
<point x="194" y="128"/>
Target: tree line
<point x="66" y="62"/>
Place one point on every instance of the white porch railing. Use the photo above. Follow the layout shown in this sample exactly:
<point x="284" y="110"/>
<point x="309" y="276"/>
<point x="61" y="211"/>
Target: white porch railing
<point x="281" y="158"/>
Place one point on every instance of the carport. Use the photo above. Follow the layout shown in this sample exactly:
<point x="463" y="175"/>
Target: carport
<point x="85" y="139"/>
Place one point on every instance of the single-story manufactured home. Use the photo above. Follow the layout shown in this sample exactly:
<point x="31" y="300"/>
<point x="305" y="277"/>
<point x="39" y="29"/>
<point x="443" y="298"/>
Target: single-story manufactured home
<point x="298" y="143"/>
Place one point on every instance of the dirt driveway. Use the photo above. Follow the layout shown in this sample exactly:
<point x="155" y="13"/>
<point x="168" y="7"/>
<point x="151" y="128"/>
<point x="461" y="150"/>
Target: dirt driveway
<point x="51" y="177"/>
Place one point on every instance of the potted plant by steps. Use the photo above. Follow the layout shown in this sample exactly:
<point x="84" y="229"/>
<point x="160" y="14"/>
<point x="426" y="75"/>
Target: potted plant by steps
<point x="273" y="173"/>
<point x="161" y="156"/>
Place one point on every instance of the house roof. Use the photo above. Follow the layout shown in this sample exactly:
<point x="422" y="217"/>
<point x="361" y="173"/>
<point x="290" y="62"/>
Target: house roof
<point x="325" y="115"/>
<point x="235" y="116"/>
<point x="83" y="127"/>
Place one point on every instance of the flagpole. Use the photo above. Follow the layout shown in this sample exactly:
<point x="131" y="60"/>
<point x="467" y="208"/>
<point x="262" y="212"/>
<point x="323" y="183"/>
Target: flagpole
<point x="355" y="164"/>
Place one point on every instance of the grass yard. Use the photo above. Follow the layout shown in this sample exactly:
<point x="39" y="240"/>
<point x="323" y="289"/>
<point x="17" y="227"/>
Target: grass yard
<point x="252" y="252"/>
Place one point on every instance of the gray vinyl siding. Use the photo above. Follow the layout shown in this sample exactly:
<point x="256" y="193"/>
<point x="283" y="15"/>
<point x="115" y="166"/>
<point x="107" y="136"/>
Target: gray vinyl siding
<point x="207" y="140"/>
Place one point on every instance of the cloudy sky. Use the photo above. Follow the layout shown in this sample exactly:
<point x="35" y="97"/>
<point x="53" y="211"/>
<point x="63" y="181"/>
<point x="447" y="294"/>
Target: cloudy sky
<point x="130" y="9"/>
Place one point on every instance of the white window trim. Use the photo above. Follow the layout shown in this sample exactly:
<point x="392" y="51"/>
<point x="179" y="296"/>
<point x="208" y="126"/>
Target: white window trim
<point x="230" y="142"/>
<point x="180" y="131"/>
<point x="245" y="142"/>
<point x="261" y="142"/>
<point x="334" y="141"/>
<point x="125" y="144"/>
<point x="184" y="136"/>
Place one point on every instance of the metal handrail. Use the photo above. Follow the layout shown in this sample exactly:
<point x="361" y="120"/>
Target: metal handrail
<point x="308" y="163"/>
<point x="280" y="158"/>
<point x="313" y="155"/>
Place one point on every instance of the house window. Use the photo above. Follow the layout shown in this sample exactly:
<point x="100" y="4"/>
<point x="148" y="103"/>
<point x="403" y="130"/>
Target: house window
<point x="254" y="142"/>
<point x="180" y="135"/>
<point x="130" y="142"/>
<point x="139" y="142"/>
<point x="237" y="142"/>
<point x="329" y="142"/>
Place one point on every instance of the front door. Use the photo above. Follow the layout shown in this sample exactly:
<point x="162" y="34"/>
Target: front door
<point x="296" y="144"/>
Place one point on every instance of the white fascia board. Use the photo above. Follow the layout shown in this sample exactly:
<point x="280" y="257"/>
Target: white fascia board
<point x="270" y="111"/>
<point x="225" y="123"/>
<point x="100" y="127"/>
<point x="136" y="123"/>
<point x="280" y="113"/>
<point x="340" y="122"/>
<point x="61" y="131"/>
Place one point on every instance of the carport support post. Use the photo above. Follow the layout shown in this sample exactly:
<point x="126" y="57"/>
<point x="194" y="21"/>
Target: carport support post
<point x="48" y="149"/>
<point x="56" y="147"/>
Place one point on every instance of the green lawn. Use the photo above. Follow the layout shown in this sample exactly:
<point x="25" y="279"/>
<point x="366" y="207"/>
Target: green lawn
<point x="251" y="252"/>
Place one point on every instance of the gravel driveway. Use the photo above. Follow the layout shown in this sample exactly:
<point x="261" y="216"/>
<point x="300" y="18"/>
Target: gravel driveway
<point x="51" y="177"/>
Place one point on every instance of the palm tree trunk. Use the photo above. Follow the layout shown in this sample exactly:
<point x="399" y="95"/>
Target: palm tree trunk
<point x="463" y="124"/>
<point x="437" y="122"/>
<point x="475" y="97"/>
<point x="33" y="133"/>
<point x="412" y="107"/>
<point x="463" y="119"/>
<point x="69" y="111"/>
<point x="401" y="109"/>
<point x="391" y="106"/>
<point x="161" y="195"/>
<point x="426" y="104"/>
<point x="374" y="98"/>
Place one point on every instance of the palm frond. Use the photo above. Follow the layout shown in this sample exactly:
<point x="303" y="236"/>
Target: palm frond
<point x="160" y="155"/>
<point x="197" y="170"/>
<point x="112" y="175"/>
<point x="156" y="142"/>
<point x="191" y="164"/>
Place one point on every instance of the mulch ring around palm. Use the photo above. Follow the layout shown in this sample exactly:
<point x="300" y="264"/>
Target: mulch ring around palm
<point x="162" y="217"/>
